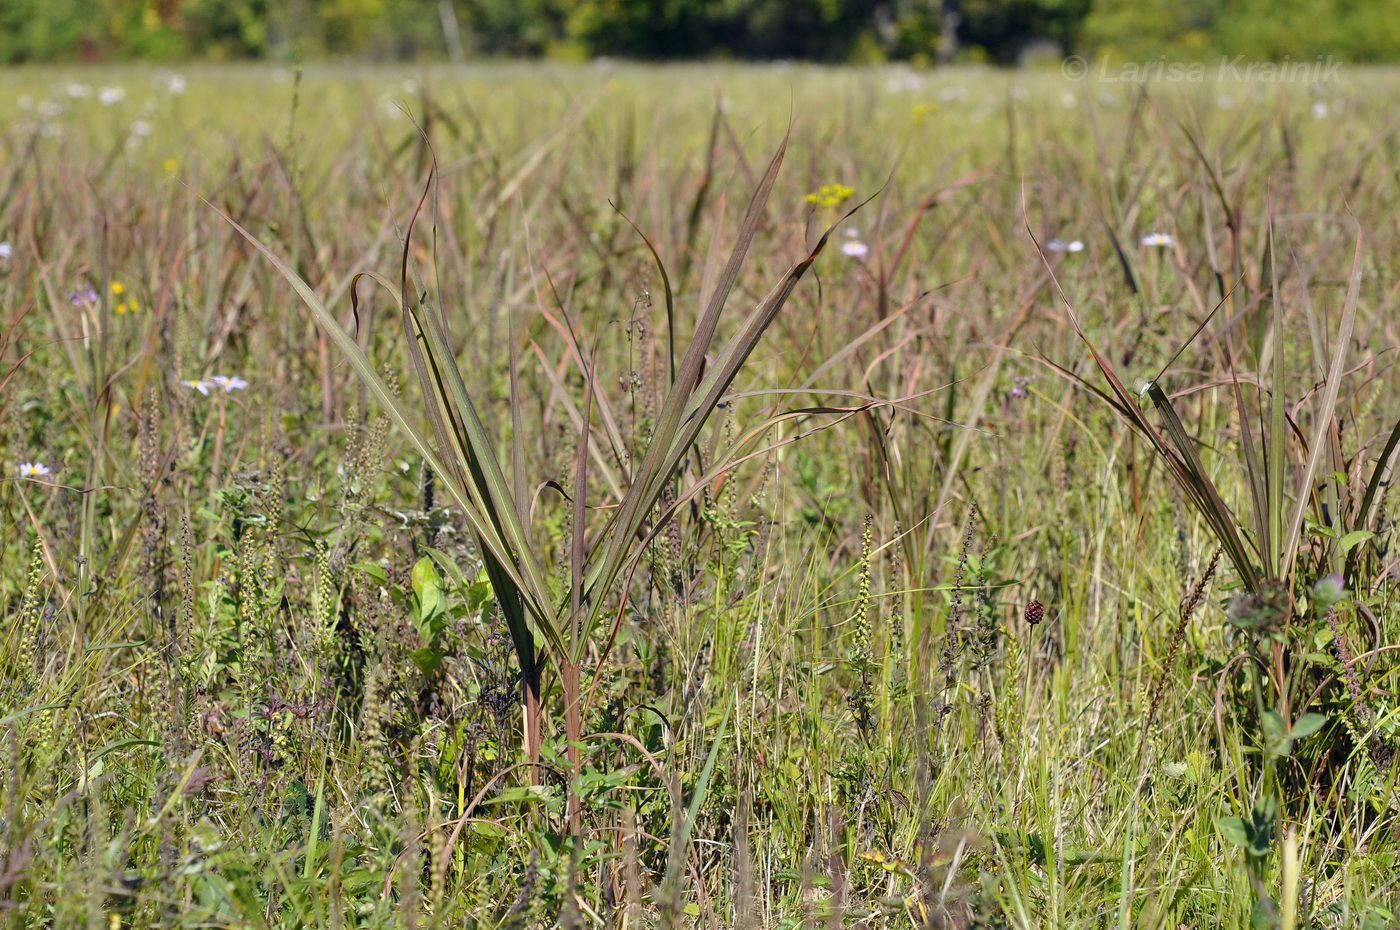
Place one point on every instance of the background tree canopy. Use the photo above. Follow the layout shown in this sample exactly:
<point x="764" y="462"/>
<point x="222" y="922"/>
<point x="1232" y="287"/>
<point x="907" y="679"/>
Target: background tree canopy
<point x="1000" y="31"/>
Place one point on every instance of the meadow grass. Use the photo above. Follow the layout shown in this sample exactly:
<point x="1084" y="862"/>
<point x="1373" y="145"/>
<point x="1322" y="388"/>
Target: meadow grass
<point x="1035" y="569"/>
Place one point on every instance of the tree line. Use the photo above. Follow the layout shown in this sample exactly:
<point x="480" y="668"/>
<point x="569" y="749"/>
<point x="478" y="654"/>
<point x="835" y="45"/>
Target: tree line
<point x="860" y="31"/>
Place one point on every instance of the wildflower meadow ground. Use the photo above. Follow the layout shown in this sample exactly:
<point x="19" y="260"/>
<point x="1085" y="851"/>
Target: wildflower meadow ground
<point x="697" y="496"/>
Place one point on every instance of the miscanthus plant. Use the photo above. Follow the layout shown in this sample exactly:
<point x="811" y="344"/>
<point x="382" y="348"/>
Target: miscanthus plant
<point x="492" y="489"/>
<point x="1298" y="546"/>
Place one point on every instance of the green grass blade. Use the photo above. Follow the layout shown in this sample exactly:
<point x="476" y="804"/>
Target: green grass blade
<point x="1322" y="422"/>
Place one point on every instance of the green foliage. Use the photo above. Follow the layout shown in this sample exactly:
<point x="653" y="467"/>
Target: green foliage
<point x="1255" y="30"/>
<point x="858" y="31"/>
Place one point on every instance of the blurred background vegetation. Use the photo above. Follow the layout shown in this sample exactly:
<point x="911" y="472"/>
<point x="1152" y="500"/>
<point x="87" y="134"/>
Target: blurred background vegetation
<point x="858" y="31"/>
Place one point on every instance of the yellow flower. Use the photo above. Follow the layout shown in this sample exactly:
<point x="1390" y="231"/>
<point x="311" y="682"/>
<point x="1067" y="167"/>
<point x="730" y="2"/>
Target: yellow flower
<point x="170" y="165"/>
<point x="831" y="195"/>
<point x="923" y="111"/>
<point x="121" y="309"/>
<point x="118" y="288"/>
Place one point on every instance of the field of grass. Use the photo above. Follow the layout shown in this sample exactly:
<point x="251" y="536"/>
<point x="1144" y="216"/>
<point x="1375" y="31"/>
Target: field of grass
<point x="599" y="545"/>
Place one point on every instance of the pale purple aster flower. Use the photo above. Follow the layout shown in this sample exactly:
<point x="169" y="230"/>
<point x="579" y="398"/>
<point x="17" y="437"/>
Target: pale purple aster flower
<point x="199" y="385"/>
<point x="229" y="384"/>
<point x="34" y="470"/>
<point x="83" y="296"/>
<point x="1158" y="240"/>
<point x="7" y="251"/>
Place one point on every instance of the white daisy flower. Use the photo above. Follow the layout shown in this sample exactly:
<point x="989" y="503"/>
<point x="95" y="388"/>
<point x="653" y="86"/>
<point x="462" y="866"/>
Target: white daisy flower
<point x="140" y="129"/>
<point x="7" y="251"/>
<point x="1320" y="110"/>
<point x="1060" y="245"/>
<point x="34" y="470"/>
<point x="1158" y="240"/>
<point x="111" y="95"/>
<point x="854" y="248"/>
<point x="229" y="384"/>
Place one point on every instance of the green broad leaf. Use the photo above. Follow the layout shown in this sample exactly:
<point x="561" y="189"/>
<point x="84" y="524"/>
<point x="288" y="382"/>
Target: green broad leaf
<point x="478" y="595"/>
<point x="373" y="570"/>
<point x="427" y="659"/>
<point x="427" y="584"/>
<point x="1307" y="725"/>
<point x="489" y="830"/>
<point x="1353" y="539"/>
<point x="1234" y="830"/>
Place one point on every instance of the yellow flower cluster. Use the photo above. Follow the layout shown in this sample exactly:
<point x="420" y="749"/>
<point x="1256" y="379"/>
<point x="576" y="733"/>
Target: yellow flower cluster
<point x="125" y="304"/>
<point x="831" y="195"/>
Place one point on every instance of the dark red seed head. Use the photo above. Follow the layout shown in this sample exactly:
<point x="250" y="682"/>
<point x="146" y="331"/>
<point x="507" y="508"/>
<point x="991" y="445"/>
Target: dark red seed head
<point x="1035" y="612"/>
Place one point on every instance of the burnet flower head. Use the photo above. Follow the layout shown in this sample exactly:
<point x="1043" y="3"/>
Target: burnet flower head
<point x="1329" y="590"/>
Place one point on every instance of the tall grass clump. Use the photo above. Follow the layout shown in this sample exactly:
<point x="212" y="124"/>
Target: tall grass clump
<point x="564" y="615"/>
